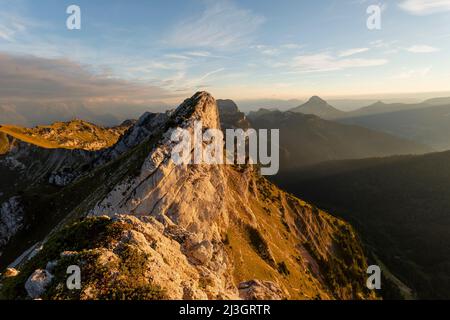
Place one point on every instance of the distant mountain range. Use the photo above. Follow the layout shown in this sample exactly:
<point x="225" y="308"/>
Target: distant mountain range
<point x="308" y="139"/>
<point x="39" y="113"/>
<point x="425" y="123"/>
<point x="256" y="104"/>
<point x="437" y="101"/>
<point x="323" y="109"/>
<point x="342" y="104"/>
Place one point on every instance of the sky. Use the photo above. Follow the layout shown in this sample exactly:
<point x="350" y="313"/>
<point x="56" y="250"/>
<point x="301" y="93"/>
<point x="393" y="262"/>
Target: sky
<point x="151" y="51"/>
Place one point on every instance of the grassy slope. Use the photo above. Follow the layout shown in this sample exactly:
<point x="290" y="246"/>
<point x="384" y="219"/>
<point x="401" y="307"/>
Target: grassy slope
<point x="78" y="132"/>
<point x="303" y="265"/>
<point x="18" y="133"/>
<point x="4" y="143"/>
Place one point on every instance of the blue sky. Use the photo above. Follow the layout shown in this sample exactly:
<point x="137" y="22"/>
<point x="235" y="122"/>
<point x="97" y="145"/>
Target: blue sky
<point x="236" y="49"/>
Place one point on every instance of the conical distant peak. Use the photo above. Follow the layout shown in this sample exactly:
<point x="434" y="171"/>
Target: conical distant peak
<point x="316" y="99"/>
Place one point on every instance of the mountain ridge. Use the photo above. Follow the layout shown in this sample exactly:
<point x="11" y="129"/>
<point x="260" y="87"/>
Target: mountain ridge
<point x="427" y="125"/>
<point x="74" y="134"/>
<point x="201" y="231"/>
<point x="308" y="139"/>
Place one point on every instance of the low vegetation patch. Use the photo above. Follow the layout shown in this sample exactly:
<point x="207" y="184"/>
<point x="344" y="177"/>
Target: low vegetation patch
<point x="259" y="244"/>
<point x="105" y="275"/>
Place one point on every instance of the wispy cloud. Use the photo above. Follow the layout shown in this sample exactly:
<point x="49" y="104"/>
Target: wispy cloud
<point x="201" y="54"/>
<point x="322" y="62"/>
<point x="351" y="52"/>
<point x="176" y="56"/>
<point x="292" y="46"/>
<point x="413" y="73"/>
<point x="5" y="34"/>
<point x="265" y="49"/>
<point x="31" y="78"/>
<point x="424" y="7"/>
<point x="207" y="75"/>
<point x="422" y="49"/>
<point x="180" y="82"/>
<point x="10" y="26"/>
<point x="221" y="25"/>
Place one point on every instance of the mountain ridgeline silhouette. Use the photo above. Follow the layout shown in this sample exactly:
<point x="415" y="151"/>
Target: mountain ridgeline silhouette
<point x="308" y="139"/>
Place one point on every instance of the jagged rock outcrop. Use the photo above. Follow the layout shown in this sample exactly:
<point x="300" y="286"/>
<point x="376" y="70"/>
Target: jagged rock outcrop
<point x="11" y="272"/>
<point x="11" y="219"/>
<point x="34" y="164"/>
<point x="260" y="290"/>
<point x="37" y="283"/>
<point x="141" y="129"/>
<point x="230" y="115"/>
<point x="157" y="230"/>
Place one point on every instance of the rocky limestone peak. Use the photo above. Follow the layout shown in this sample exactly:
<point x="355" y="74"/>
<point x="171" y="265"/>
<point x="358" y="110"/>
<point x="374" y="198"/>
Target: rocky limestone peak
<point x="202" y="107"/>
<point x="230" y="115"/>
<point x="152" y="191"/>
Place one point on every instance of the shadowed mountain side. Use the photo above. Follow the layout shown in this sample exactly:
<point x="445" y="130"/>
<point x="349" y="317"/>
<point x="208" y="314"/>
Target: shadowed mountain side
<point x="230" y="115"/>
<point x="429" y="125"/>
<point x="307" y="139"/>
<point x="400" y="205"/>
